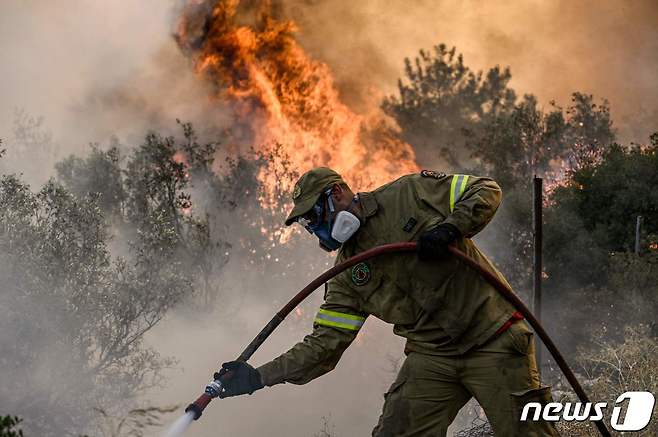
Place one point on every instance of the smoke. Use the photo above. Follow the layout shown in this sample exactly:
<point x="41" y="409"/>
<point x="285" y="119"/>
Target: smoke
<point x="94" y="69"/>
<point x="350" y="396"/>
<point x="607" y="48"/>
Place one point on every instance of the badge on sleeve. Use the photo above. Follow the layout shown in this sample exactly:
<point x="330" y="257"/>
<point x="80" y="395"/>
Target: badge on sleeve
<point x="360" y="274"/>
<point x="431" y="174"/>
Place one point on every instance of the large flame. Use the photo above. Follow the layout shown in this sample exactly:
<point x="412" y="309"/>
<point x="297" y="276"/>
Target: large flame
<point x="279" y="95"/>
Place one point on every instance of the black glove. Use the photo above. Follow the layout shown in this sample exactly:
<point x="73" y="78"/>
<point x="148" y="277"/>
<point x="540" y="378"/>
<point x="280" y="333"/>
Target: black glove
<point x="238" y="378"/>
<point x="433" y="243"/>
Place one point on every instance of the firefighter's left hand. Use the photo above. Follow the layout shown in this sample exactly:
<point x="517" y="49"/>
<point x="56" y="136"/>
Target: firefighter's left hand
<point x="433" y="243"/>
<point x="238" y="378"/>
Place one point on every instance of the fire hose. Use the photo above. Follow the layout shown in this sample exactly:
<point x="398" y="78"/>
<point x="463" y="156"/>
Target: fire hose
<point x="214" y="387"/>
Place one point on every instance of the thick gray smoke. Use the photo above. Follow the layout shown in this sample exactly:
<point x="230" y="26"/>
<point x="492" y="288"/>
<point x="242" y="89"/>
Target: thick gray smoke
<point x="92" y="70"/>
<point x="606" y="48"/>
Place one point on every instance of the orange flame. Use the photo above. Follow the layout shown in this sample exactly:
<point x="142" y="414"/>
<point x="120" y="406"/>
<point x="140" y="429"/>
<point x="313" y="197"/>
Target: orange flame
<point x="282" y="96"/>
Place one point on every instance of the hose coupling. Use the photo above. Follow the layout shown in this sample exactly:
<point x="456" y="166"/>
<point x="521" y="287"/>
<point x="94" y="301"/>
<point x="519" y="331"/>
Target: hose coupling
<point x="214" y="388"/>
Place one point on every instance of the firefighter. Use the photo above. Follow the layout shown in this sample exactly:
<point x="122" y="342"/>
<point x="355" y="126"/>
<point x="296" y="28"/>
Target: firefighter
<point x="463" y="339"/>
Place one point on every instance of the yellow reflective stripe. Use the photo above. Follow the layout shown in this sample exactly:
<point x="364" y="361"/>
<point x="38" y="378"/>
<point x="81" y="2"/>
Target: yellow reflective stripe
<point x="337" y="324"/>
<point x="457" y="187"/>
<point x="463" y="186"/>
<point x="453" y="184"/>
<point x="342" y="315"/>
<point x="339" y="320"/>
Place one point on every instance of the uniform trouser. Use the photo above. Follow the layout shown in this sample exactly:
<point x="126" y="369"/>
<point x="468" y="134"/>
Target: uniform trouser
<point x="502" y="375"/>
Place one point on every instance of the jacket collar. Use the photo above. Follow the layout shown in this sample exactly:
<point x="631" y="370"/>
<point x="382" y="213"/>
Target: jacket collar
<point x="368" y="203"/>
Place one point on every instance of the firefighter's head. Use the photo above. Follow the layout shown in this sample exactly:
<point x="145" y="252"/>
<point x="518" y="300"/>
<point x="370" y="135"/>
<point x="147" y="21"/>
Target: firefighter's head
<point x="326" y="206"/>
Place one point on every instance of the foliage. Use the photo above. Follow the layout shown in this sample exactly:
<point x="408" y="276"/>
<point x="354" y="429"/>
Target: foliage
<point x="597" y="209"/>
<point x="88" y="312"/>
<point x="8" y="426"/>
<point x="155" y="180"/>
<point x="610" y="368"/>
<point x="479" y="428"/>
<point x="441" y="102"/>
<point x="149" y="202"/>
<point x="100" y="173"/>
<point x="99" y="256"/>
<point x="161" y="210"/>
<point x="477" y="124"/>
<point x="613" y="368"/>
<point x="589" y="233"/>
<point x="522" y="143"/>
<point x="527" y="141"/>
<point x="595" y="191"/>
<point x="31" y="138"/>
<point x="630" y="295"/>
<point x="82" y="345"/>
<point x="265" y="205"/>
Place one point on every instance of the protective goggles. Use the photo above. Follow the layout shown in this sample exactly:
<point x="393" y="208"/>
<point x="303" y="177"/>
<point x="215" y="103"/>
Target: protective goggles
<point x="312" y="220"/>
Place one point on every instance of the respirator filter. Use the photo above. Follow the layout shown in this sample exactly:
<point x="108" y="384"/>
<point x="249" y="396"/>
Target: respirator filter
<point x="344" y="226"/>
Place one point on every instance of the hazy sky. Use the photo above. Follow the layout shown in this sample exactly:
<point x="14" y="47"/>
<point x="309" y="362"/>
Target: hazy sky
<point x="554" y="47"/>
<point x="94" y="67"/>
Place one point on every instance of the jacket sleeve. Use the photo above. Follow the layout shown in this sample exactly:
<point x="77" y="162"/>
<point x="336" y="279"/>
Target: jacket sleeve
<point x="336" y="325"/>
<point x="473" y="201"/>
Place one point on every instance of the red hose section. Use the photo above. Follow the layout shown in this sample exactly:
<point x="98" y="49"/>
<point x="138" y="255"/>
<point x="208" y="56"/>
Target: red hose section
<point x="203" y="401"/>
<point x="508" y="294"/>
<point x="490" y="277"/>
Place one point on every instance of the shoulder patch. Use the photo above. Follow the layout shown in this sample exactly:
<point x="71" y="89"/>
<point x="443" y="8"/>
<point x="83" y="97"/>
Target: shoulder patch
<point x="432" y="174"/>
<point x="360" y="274"/>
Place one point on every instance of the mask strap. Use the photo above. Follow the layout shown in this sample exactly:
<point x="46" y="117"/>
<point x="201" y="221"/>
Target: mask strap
<point x="331" y="206"/>
<point x="329" y="201"/>
<point x="350" y="208"/>
<point x="332" y="209"/>
<point x="355" y="200"/>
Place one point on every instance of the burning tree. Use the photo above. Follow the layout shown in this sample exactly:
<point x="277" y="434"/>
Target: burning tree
<point x="99" y="257"/>
<point x="279" y="95"/>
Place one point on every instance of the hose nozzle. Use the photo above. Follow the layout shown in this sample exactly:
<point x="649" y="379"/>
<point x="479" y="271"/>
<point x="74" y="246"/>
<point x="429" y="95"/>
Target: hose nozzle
<point x="212" y="390"/>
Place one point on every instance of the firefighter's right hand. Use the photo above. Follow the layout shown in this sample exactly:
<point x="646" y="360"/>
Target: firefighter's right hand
<point x="238" y="378"/>
<point x="433" y="243"/>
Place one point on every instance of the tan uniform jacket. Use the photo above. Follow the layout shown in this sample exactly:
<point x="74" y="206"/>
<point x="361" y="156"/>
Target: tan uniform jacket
<point x="440" y="307"/>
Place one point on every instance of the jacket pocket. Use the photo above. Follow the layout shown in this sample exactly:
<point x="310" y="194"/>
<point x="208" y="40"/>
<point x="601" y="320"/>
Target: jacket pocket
<point x="541" y="395"/>
<point x="395" y="419"/>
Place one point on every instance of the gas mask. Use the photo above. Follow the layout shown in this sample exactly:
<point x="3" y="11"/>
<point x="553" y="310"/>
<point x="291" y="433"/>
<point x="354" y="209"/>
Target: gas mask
<point x="337" y="230"/>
